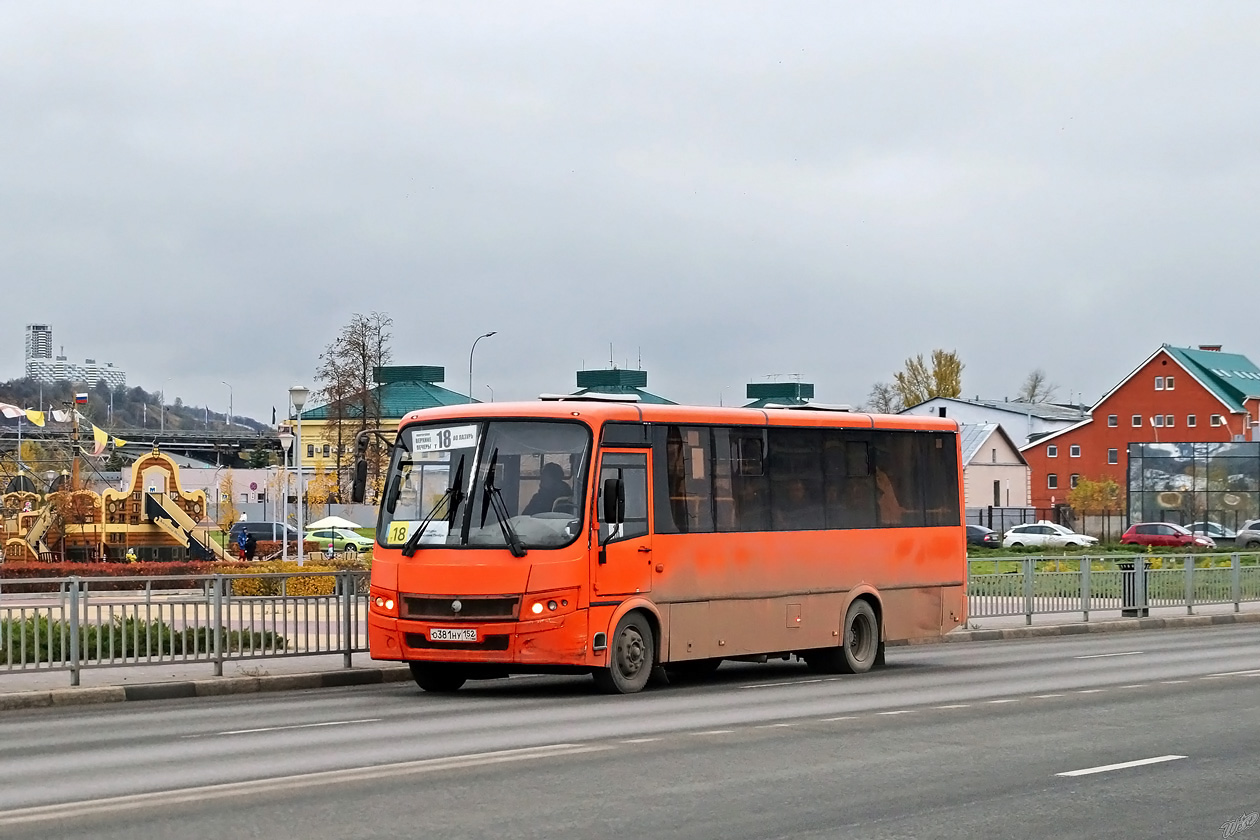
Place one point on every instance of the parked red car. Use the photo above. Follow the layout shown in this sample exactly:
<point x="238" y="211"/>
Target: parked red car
<point x="1165" y="535"/>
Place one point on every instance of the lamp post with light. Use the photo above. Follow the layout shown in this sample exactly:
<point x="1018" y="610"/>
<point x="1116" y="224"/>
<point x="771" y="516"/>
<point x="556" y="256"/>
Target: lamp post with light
<point x="297" y="396"/>
<point x="470" y="361"/>
<point x="286" y="441"/>
<point x="229" y="417"/>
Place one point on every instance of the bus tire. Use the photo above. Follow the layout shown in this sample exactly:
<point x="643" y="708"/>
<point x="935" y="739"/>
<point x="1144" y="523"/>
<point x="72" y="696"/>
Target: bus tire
<point x="631" y="656"/>
<point x="860" y="648"/>
<point x="437" y="677"/>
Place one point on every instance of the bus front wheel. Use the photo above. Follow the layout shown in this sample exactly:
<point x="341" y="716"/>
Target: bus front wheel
<point x="860" y="646"/>
<point x="631" y="657"/>
<point x="437" y="677"/>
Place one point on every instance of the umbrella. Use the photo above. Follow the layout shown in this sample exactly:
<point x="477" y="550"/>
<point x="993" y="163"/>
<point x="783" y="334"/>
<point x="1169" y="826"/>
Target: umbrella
<point x="332" y="522"/>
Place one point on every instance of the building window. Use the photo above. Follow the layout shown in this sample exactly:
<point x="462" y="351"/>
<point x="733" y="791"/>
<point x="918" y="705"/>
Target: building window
<point x="1074" y="451"/>
<point x="1073" y="480"/>
<point x="1113" y="420"/>
<point x="310" y="450"/>
<point x="1168" y="419"/>
<point x="1168" y="383"/>
<point x="1218" y="420"/>
<point x="1159" y="383"/>
<point x="1052" y="481"/>
<point x="992" y="456"/>
<point x="1052" y="451"/>
<point x="1190" y="420"/>
<point x="1157" y="420"/>
<point x="1137" y="421"/>
<point x="327" y="450"/>
<point x="1113" y="456"/>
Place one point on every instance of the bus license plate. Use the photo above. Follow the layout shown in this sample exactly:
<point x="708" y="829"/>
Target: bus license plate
<point x="446" y="634"/>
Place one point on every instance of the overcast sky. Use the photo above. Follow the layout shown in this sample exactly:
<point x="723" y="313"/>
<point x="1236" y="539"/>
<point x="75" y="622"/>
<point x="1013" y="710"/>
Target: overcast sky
<point x="206" y="192"/>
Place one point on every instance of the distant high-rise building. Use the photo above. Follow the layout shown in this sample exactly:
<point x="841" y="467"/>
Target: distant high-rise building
<point x="43" y="366"/>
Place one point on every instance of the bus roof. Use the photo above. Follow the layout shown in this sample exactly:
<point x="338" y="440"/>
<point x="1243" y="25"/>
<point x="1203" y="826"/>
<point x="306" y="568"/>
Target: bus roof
<point x="597" y="412"/>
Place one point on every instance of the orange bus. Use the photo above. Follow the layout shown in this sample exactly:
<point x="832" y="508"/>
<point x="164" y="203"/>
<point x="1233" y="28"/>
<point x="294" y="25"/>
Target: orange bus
<point x="613" y="538"/>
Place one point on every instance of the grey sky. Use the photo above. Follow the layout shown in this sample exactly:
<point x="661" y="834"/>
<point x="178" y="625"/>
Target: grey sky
<point x="206" y="192"/>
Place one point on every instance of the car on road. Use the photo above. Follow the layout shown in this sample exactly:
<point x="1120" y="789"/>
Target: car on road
<point x="982" y="536"/>
<point x="1048" y="534"/>
<point x="1214" y="530"/>
<point x="1164" y="535"/>
<point x="342" y="539"/>
<point x="1249" y="536"/>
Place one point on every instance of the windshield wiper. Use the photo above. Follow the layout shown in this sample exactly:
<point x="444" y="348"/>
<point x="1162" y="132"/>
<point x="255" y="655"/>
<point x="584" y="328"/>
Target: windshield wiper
<point x="453" y="495"/>
<point x="493" y="497"/>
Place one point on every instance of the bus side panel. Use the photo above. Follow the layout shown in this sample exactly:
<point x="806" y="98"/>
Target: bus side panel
<point x="912" y="613"/>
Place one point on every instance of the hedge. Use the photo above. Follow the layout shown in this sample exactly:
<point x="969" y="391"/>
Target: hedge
<point x="123" y="638"/>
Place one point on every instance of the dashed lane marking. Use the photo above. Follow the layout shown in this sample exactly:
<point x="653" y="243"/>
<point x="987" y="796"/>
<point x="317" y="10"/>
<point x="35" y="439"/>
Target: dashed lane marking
<point x="715" y="732"/>
<point x="1045" y="696"/>
<point x="1254" y="672"/>
<point x="1105" y="655"/>
<point x="897" y="712"/>
<point x="1091" y="691"/>
<point x="1004" y="700"/>
<point x="833" y="720"/>
<point x="298" y="726"/>
<point x="778" y="684"/>
<point x="954" y="706"/>
<point x="1124" y="765"/>
<point x="774" y="725"/>
<point x="1172" y="682"/>
<point x="640" y="740"/>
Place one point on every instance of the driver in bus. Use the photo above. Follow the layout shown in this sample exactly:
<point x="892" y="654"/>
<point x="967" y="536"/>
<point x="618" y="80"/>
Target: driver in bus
<point x="551" y="488"/>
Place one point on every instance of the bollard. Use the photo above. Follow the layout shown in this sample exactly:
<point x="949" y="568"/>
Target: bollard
<point x="73" y="586"/>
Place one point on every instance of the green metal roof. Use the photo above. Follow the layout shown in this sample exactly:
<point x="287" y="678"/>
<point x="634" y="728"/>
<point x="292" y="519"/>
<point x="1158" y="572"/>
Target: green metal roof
<point x="1228" y="375"/>
<point x="778" y="393"/>
<point x="401" y="390"/>
<point x="617" y="381"/>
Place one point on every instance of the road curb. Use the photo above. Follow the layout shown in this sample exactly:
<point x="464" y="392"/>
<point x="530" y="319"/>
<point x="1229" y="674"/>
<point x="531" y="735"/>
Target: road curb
<point x="1087" y="627"/>
<point x="210" y="687"/>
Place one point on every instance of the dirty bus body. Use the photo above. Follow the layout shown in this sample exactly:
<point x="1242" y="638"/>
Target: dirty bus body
<point x="577" y="536"/>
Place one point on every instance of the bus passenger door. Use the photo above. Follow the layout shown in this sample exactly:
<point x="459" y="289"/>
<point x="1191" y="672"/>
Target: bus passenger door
<point x="623" y="558"/>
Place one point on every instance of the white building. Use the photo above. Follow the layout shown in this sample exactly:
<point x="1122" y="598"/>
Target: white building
<point x="1024" y="422"/>
<point x="43" y="366"/>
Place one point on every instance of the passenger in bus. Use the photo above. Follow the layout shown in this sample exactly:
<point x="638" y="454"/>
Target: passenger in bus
<point x="890" y="509"/>
<point x="551" y="488"/>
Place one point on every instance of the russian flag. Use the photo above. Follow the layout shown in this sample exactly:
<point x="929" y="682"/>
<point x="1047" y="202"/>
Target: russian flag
<point x="80" y="399"/>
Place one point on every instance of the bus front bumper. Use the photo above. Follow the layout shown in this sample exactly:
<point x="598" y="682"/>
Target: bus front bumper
<point x="554" y="640"/>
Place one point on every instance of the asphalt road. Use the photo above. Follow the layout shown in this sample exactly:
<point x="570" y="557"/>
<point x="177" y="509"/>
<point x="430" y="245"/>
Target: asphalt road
<point x="968" y="740"/>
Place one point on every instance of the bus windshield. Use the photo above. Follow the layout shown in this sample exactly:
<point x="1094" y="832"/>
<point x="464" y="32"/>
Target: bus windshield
<point x="481" y="484"/>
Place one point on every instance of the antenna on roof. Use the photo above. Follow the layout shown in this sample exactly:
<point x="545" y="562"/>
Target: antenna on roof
<point x="640" y="357"/>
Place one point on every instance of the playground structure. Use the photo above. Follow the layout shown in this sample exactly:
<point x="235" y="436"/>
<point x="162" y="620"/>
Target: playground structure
<point x="153" y="518"/>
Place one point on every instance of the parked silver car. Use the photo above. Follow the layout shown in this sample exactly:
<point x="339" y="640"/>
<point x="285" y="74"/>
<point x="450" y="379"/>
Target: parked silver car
<point x="1249" y="536"/>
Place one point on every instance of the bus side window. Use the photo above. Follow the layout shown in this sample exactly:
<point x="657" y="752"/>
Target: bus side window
<point x="632" y="470"/>
<point x="849" y="484"/>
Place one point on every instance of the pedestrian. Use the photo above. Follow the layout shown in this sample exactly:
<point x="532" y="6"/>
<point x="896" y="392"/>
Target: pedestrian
<point x="242" y="544"/>
<point x="251" y="547"/>
<point x="328" y="551"/>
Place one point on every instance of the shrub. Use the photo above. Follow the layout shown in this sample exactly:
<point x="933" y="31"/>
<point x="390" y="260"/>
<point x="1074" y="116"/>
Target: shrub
<point x="298" y="585"/>
<point x="123" y="638"/>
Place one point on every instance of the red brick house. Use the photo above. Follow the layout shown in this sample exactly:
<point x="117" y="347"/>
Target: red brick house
<point x="1178" y="395"/>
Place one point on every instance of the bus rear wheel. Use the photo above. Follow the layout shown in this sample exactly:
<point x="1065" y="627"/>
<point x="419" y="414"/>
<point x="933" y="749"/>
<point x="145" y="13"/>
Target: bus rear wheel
<point x="438" y="677"/>
<point x="631" y="657"/>
<point x="860" y="648"/>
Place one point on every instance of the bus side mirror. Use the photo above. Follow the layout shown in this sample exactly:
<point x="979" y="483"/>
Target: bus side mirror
<point x="358" y="488"/>
<point x="614" y="501"/>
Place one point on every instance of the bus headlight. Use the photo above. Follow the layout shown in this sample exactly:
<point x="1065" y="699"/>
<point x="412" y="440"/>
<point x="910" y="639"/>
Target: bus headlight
<point x="383" y="601"/>
<point x="547" y="604"/>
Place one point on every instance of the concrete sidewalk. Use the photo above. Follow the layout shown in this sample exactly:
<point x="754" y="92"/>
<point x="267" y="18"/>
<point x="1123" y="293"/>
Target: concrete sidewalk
<point x="37" y="688"/>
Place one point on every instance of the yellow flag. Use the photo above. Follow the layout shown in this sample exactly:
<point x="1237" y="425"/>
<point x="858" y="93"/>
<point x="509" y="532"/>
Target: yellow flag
<point x="119" y="442"/>
<point x="36" y="417"/>
<point x="101" y="437"/>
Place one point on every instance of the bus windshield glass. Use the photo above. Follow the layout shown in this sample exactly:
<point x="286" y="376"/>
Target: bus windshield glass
<point x="478" y="484"/>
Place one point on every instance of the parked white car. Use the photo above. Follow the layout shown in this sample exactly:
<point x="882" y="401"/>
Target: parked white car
<point x="1045" y="533"/>
<point x="1212" y="529"/>
<point x="1249" y="536"/>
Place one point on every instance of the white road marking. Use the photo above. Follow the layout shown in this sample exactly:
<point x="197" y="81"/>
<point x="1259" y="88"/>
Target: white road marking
<point x="1173" y="682"/>
<point x="1045" y="696"/>
<point x="1139" y="685"/>
<point x="833" y="720"/>
<point x="954" y="706"/>
<point x="1004" y="700"/>
<point x="1124" y="765"/>
<point x="204" y="793"/>
<point x="1105" y="655"/>
<point x="1254" y="672"/>
<point x="898" y="712"/>
<point x="298" y="726"/>
<point x="774" y="725"/>
<point x="640" y="740"/>
<point x="777" y="684"/>
<point x="1091" y="691"/>
<point x="715" y="732"/>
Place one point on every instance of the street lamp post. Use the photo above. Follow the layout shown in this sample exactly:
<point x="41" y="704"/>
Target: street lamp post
<point x="229" y="387"/>
<point x="491" y="390"/>
<point x="286" y="441"/>
<point x="470" y="362"/>
<point x="298" y="395"/>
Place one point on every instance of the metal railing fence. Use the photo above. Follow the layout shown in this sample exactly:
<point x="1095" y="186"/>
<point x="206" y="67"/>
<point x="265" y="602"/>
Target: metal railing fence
<point x="89" y="623"/>
<point x="1130" y="583"/>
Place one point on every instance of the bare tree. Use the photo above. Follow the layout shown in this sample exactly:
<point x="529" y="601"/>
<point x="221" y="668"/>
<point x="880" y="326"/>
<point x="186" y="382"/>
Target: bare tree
<point x="884" y="399"/>
<point x="921" y="381"/>
<point x="1037" y="388"/>
<point x="348" y="385"/>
